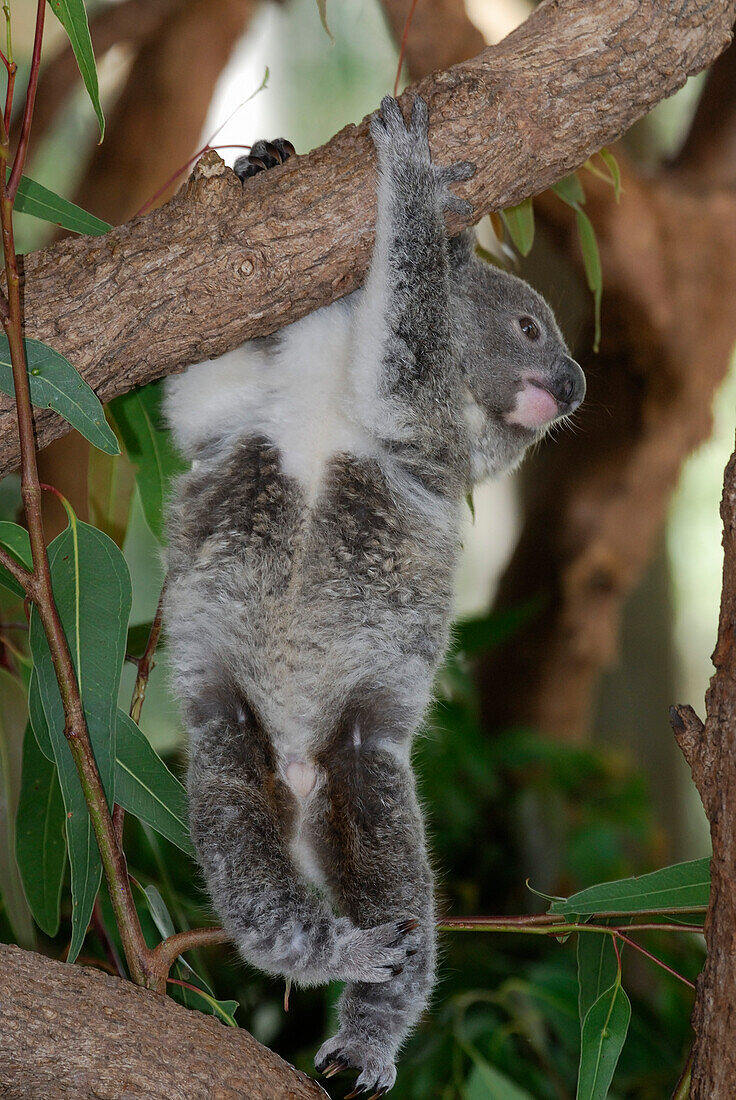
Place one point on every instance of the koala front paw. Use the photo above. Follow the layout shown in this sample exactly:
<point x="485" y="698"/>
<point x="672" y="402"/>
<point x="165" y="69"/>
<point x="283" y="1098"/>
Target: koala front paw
<point x="263" y="155"/>
<point x="372" y="1058"/>
<point x="404" y="148"/>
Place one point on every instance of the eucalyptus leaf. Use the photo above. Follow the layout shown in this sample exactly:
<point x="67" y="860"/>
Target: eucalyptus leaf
<point x="488" y="1083"/>
<point x="602" y="1038"/>
<point x="40" y="838"/>
<point x="13" y="721"/>
<point x="680" y="886"/>
<point x="35" y="199"/>
<point x="15" y="539"/>
<point x="73" y="17"/>
<point x="93" y="595"/>
<point x="592" y="264"/>
<point x="612" y="164"/>
<point x="84" y="857"/>
<point x="146" y="788"/>
<point x="110" y="487"/>
<point x="149" y="446"/>
<point x="570" y="190"/>
<point x="597" y="968"/>
<point x="519" y="220"/>
<point x="55" y="384"/>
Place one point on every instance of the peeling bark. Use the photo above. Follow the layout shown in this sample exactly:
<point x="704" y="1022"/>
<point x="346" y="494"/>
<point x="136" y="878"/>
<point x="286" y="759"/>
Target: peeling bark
<point x="222" y="263"/>
<point x="710" y="750"/>
<point x="72" y="1033"/>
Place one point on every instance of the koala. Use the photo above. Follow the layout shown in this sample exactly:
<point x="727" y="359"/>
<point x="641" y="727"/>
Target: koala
<point x="312" y="551"/>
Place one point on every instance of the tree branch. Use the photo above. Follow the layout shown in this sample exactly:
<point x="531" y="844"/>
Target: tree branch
<point x="222" y="263"/>
<point x="134" y="1043"/>
<point x="709" y="750"/>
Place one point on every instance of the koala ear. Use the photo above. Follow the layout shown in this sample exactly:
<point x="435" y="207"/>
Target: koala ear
<point x="462" y="248"/>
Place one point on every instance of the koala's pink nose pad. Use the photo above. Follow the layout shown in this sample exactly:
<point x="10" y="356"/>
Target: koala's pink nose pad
<point x="301" y="777"/>
<point x="534" y="406"/>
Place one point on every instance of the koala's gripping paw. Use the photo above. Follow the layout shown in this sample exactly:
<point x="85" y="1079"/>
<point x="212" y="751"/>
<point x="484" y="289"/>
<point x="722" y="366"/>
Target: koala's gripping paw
<point x="376" y="954"/>
<point x="263" y="155"/>
<point x="377" y="1070"/>
<point x="402" y="148"/>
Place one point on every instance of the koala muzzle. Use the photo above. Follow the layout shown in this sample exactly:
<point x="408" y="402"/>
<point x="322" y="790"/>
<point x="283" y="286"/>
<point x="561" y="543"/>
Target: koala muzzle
<point x="567" y="385"/>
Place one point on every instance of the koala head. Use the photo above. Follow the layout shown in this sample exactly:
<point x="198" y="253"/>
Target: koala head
<point x="518" y="372"/>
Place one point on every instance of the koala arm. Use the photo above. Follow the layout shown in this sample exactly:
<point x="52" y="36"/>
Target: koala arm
<point x="407" y="381"/>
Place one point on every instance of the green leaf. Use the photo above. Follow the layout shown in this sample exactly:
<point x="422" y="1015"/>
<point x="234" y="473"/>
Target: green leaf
<point x="204" y="1002"/>
<point x="612" y="164"/>
<point x="93" y="595"/>
<point x="149" y="447"/>
<point x="13" y="721"/>
<point x="488" y="1083"/>
<point x="519" y="220"/>
<point x="681" y="886"/>
<point x="84" y="857"/>
<point x="570" y="190"/>
<point x="35" y="199"/>
<point x="110" y="485"/>
<point x="73" y="18"/>
<point x="597" y="968"/>
<point x="593" y="272"/>
<point x="602" y="1038"/>
<point x="55" y="384"/>
<point x="15" y="539"/>
<point x="146" y="788"/>
<point x="40" y="841"/>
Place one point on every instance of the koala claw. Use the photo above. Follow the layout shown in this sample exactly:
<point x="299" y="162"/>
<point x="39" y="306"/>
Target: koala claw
<point x="263" y="155"/>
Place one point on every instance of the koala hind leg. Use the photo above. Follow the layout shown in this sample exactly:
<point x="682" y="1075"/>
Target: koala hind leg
<point x="241" y="816"/>
<point x="371" y="838"/>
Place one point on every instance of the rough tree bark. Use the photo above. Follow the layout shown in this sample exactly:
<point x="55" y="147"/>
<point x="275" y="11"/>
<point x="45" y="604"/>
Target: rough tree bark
<point x="222" y="263"/>
<point x="710" y="751"/>
<point x="596" y="500"/>
<point x="134" y="1044"/>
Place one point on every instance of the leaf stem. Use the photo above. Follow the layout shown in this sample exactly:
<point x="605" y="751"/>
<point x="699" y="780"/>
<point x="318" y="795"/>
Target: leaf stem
<point x="653" y="958"/>
<point x="25" y="132"/>
<point x="146" y="662"/>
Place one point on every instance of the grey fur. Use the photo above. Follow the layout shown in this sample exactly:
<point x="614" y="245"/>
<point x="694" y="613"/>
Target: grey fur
<point x="306" y="625"/>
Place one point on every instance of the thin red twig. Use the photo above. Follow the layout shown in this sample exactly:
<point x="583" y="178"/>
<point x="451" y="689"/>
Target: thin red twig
<point x="652" y="958"/>
<point x="404" y="38"/>
<point x="25" y="132"/>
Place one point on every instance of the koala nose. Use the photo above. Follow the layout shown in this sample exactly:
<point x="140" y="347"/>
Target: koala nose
<point x="567" y="385"/>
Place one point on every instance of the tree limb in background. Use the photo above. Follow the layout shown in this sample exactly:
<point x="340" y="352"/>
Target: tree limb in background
<point x="596" y="500"/>
<point x="440" y="34"/>
<point x="223" y="263"/>
<point x="709" y="750"/>
<point x="129" y="22"/>
<point x="133" y="1043"/>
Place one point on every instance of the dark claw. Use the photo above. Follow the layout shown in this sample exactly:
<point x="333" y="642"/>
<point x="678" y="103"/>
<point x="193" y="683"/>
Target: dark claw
<point x="396" y="969"/>
<point x="336" y="1066"/>
<point x="410" y="952"/>
<point x="379" y="1092"/>
<point x="284" y="148"/>
<point x="356" y="1092"/>
<point x="405" y="926"/>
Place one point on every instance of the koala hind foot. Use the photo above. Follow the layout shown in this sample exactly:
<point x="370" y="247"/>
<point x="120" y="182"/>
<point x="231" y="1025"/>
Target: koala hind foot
<point x="263" y="155"/>
<point x="344" y="1051"/>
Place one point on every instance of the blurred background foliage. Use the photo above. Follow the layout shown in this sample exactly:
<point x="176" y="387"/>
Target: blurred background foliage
<point x="503" y="808"/>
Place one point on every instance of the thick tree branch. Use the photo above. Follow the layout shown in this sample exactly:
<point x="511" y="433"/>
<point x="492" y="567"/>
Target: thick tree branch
<point x="221" y="263"/>
<point x="709" y="750"/>
<point x="134" y="1043"/>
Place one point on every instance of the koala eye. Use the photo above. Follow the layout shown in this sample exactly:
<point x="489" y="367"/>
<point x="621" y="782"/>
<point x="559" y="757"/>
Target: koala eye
<point x="529" y="327"/>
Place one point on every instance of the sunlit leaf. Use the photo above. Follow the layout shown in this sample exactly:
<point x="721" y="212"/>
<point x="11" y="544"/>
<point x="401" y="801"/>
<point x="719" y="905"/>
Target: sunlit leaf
<point x="40" y="838"/>
<point x="13" y="721"/>
<point x="149" y="447"/>
<point x="680" y="886"/>
<point x="35" y="199"/>
<point x="110" y="487"/>
<point x="602" y="1038"/>
<point x="15" y="539"/>
<point x="73" y="18"/>
<point x="593" y="272"/>
<point x="55" y="384"/>
<point x="84" y="857"/>
<point x="519" y="220"/>
<point x="146" y="788"/>
<point x="612" y="165"/>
